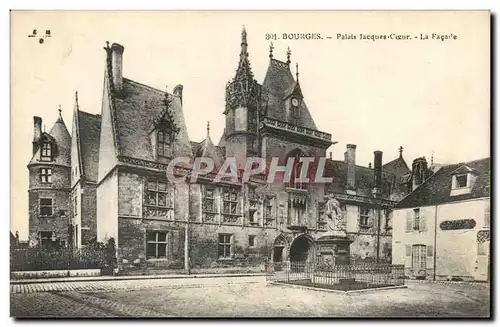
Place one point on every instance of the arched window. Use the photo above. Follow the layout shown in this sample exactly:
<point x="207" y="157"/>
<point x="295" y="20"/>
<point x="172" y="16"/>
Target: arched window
<point x="46" y="153"/>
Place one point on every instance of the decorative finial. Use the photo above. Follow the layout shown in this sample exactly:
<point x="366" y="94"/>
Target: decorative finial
<point x="297" y="71"/>
<point x="400" y="151"/>
<point x="76" y="99"/>
<point x="432" y="157"/>
<point x="370" y="165"/>
<point x="60" y="110"/>
<point x="271" y="48"/>
<point x="243" y="35"/>
<point x="208" y="128"/>
<point x="288" y="54"/>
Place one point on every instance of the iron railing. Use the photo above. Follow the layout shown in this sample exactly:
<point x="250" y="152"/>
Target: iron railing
<point x="336" y="276"/>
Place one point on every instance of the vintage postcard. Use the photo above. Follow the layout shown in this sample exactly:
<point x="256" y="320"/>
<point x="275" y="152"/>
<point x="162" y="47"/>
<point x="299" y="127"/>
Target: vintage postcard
<point x="250" y="164"/>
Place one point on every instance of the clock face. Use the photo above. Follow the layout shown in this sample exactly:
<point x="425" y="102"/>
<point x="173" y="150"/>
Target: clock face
<point x="295" y="102"/>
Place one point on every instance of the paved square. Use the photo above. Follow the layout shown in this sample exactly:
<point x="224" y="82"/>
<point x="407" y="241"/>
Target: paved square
<point x="247" y="297"/>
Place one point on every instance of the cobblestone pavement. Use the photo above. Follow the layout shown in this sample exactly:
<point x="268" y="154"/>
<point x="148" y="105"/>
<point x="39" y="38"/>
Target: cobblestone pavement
<point x="244" y="297"/>
<point x="117" y="285"/>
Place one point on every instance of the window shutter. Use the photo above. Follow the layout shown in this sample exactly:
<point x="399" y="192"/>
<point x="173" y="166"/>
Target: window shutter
<point x="430" y="250"/>
<point x="408" y="250"/>
<point x="231" y="248"/>
<point x="423" y="222"/>
<point x="409" y="221"/>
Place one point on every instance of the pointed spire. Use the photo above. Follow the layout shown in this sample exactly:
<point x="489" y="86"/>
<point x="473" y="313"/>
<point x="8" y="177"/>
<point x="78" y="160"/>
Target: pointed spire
<point x="77" y="105"/>
<point x="400" y="151"/>
<point x="271" y="48"/>
<point x="288" y="54"/>
<point x="244" y="44"/>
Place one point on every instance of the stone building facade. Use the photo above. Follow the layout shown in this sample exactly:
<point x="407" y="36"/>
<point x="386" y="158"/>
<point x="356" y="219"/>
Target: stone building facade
<point x="118" y="188"/>
<point x="49" y="185"/>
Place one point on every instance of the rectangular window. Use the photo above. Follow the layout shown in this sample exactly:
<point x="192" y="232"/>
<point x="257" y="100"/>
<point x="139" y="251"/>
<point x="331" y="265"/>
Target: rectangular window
<point x="230" y="202"/>
<point x="156" y="245"/>
<point x="209" y="200"/>
<point x="45" y="207"/>
<point x="419" y="257"/>
<point x="461" y="180"/>
<point x="481" y="248"/>
<point x="46" y="153"/>
<point x="487" y="214"/>
<point x="416" y="219"/>
<point x="364" y="217"/>
<point x="268" y="208"/>
<point x="251" y="240"/>
<point x="157" y="194"/>
<point x="46" y="238"/>
<point x="225" y="246"/>
<point x="75" y="205"/>
<point x="46" y="175"/>
<point x="164" y="143"/>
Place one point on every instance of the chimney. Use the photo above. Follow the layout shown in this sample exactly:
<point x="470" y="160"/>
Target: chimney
<point x="117" y="65"/>
<point x="178" y="91"/>
<point x="377" y="172"/>
<point x="37" y="132"/>
<point x="419" y="172"/>
<point x="351" y="167"/>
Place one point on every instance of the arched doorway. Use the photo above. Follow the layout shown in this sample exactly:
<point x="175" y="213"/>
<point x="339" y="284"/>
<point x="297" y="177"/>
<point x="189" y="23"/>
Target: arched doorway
<point x="279" y="249"/>
<point x="302" y="249"/>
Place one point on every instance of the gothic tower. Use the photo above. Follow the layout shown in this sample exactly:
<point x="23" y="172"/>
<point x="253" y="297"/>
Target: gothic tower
<point x="243" y="101"/>
<point x="49" y="185"/>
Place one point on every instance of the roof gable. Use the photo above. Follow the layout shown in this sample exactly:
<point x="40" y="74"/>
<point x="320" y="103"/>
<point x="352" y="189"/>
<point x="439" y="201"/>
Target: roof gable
<point x="436" y="189"/>
<point x="89" y="133"/>
<point x="397" y="166"/>
<point x="462" y="170"/>
<point x="136" y="110"/>
<point x="59" y="136"/>
<point x="278" y="84"/>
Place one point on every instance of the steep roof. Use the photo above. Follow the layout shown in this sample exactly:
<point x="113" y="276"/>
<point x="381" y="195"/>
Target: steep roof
<point x="135" y="111"/>
<point x="397" y="166"/>
<point x="436" y="189"/>
<point x="278" y="84"/>
<point x="364" y="179"/>
<point x="89" y="132"/>
<point x="207" y="149"/>
<point x="60" y="135"/>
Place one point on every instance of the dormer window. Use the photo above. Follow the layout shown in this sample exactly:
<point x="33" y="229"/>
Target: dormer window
<point x="462" y="180"/>
<point x="46" y="153"/>
<point x="164" y="142"/>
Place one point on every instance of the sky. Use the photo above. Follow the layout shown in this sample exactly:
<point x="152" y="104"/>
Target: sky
<point x="432" y="97"/>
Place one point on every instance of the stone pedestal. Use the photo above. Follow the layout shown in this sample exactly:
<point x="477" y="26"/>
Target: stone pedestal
<point x="334" y="249"/>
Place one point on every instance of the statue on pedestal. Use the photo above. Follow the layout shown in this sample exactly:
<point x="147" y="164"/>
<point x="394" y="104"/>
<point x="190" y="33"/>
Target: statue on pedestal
<point x="335" y="221"/>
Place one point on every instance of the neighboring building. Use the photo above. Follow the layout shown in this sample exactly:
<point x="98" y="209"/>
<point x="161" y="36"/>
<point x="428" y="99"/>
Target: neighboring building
<point x="49" y="185"/>
<point x="442" y="228"/>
